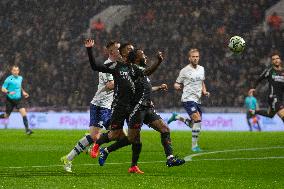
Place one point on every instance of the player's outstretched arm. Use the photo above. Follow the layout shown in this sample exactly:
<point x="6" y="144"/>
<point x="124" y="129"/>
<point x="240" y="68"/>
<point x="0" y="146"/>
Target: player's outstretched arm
<point x="150" y="70"/>
<point x="263" y="75"/>
<point x="163" y="87"/>
<point x="89" y="43"/>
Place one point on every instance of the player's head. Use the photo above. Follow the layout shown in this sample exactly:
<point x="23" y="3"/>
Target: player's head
<point x="193" y="56"/>
<point x="124" y="50"/>
<point x="112" y="49"/>
<point x="15" y="70"/>
<point x="275" y="59"/>
<point x="140" y="58"/>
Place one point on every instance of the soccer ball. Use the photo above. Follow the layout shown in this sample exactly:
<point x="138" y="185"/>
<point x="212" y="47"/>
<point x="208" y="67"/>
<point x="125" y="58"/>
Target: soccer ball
<point x="237" y="44"/>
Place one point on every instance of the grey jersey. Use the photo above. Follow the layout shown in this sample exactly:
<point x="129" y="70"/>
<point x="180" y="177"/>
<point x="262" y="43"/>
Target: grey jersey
<point x="192" y="80"/>
<point x="103" y="97"/>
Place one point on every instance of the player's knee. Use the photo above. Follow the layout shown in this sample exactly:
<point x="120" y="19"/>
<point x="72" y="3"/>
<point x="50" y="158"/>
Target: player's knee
<point x="114" y="135"/>
<point x="195" y="117"/>
<point x="165" y="129"/>
<point x="133" y="139"/>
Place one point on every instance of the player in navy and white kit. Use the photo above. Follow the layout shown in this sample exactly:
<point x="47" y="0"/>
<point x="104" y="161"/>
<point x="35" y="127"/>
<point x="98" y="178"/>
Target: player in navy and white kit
<point x="100" y="110"/>
<point x="191" y="81"/>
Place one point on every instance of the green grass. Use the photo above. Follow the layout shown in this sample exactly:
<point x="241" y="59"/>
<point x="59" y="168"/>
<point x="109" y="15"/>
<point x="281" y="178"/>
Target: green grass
<point x="18" y="153"/>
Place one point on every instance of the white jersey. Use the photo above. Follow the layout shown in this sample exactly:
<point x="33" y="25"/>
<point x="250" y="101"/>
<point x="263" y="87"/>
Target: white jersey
<point x="192" y="79"/>
<point x="103" y="97"/>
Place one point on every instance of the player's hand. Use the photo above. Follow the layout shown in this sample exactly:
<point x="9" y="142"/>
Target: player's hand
<point x="206" y="93"/>
<point x="251" y="91"/>
<point x="89" y="43"/>
<point x="160" y="56"/>
<point x="178" y="86"/>
<point x="26" y="95"/>
<point x="163" y="87"/>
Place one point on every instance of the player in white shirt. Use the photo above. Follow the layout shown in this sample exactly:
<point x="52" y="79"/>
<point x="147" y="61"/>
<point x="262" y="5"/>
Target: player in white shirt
<point x="100" y="111"/>
<point x="191" y="81"/>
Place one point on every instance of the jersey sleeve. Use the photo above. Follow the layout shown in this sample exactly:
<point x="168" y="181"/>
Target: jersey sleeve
<point x="109" y="77"/>
<point x="105" y="68"/>
<point x="180" y="78"/>
<point x="138" y="71"/>
<point x="263" y="75"/>
<point x="6" y="83"/>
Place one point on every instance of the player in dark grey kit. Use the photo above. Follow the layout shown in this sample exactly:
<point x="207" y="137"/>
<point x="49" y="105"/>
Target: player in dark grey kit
<point x="144" y="112"/>
<point x="275" y="77"/>
<point x="125" y="75"/>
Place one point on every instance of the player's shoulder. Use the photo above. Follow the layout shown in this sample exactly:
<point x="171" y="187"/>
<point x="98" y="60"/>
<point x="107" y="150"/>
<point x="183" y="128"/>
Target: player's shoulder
<point x="186" y="68"/>
<point x="200" y="67"/>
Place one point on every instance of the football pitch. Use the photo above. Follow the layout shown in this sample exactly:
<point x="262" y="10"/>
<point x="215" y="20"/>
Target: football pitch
<point x="228" y="160"/>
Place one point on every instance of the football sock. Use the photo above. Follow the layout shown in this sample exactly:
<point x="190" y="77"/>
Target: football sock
<point x="119" y="144"/>
<point x="81" y="146"/>
<point x="26" y="123"/>
<point x="195" y="132"/>
<point x="103" y="139"/>
<point x="136" y="149"/>
<point x="167" y="143"/>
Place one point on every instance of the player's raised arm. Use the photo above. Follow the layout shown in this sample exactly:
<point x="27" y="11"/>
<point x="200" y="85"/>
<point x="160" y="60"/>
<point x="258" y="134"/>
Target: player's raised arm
<point x="89" y="43"/>
<point x="151" y="69"/>
<point x="263" y="75"/>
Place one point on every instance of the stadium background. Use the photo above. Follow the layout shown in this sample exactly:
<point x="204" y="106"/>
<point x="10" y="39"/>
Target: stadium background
<point x="46" y="39"/>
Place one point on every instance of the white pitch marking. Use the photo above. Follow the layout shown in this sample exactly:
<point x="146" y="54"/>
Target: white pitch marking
<point x="232" y="159"/>
<point x="46" y="166"/>
<point x="189" y="158"/>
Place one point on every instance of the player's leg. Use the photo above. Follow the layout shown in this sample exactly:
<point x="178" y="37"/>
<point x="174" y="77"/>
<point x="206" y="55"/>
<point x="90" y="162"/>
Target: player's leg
<point x="134" y="139"/>
<point x="160" y="126"/>
<point x="9" y="109"/>
<point x="248" y="121"/>
<point x="176" y="116"/>
<point x="280" y="113"/>
<point x="271" y="111"/>
<point x="116" y="133"/>
<point x="84" y="142"/>
<point x="104" y="117"/>
<point x="23" y="113"/>
<point x="195" y="113"/>
<point x="265" y="113"/>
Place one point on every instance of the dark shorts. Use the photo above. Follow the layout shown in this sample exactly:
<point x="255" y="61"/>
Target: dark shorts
<point x="192" y="107"/>
<point x="11" y="104"/>
<point x="119" y="115"/>
<point x="99" y="117"/>
<point x="144" y="114"/>
<point x="276" y="104"/>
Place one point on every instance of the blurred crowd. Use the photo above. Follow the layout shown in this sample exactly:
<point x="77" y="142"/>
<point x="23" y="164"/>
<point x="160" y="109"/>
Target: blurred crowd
<point x="46" y="39"/>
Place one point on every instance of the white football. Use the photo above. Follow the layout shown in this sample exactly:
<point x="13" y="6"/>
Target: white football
<point x="237" y="44"/>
